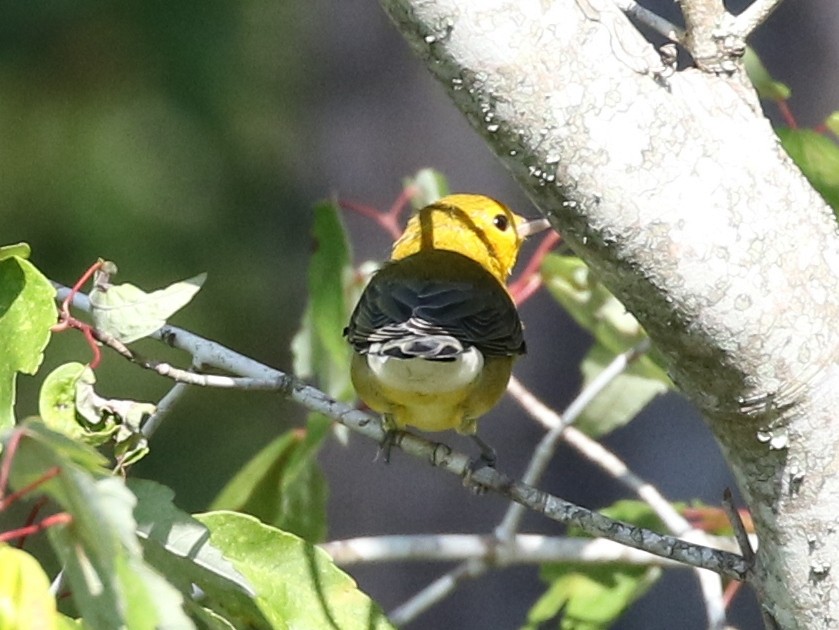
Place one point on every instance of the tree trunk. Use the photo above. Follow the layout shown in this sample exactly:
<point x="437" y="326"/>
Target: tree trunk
<point x="674" y="188"/>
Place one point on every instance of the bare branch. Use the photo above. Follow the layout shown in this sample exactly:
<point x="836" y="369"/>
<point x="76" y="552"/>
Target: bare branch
<point x="654" y="21"/>
<point x="523" y="549"/>
<point x="740" y="533"/>
<point x="755" y="15"/>
<point x="164" y="407"/>
<point x="557" y="424"/>
<point x="435" y="592"/>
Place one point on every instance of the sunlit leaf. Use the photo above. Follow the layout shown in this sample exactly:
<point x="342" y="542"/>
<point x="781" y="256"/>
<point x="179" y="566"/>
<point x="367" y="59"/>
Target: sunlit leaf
<point x="430" y="185"/>
<point x="57" y="400"/>
<point x="25" y="598"/>
<point x="129" y="313"/>
<point x="832" y="123"/>
<point x="20" y="250"/>
<point x="766" y="86"/>
<point x="283" y="485"/>
<point x="69" y="404"/>
<point x="615" y="330"/>
<point x="624" y="397"/>
<point x="178" y="546"/>
<point x="297" y="584"/>
<point x="111" y="584"/>
<point x="818" y="158"/>
<point x="320" y="350"/>
<point x="591" y="304"/>
<point x="586" y="596"/>
<point x="27" y="311"/>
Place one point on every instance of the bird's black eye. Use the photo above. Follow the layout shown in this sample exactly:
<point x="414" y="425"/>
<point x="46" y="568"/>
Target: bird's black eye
<point x="501" y="222"/>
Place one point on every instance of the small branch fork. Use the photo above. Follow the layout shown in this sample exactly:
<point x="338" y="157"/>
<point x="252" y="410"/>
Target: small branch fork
<point x="254" y="375"/>
<point x="714" y="38"/>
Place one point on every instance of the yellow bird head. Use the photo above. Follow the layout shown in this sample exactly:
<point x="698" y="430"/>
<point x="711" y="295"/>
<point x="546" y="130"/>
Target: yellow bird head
<point x="476" y="226"/>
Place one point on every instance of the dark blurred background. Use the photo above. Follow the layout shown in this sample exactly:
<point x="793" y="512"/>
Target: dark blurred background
<point x="180" y="137"/>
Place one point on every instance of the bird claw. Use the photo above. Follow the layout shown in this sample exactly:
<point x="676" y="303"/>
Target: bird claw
<point x="487" y="458"/>
<point x="391" y="439"/>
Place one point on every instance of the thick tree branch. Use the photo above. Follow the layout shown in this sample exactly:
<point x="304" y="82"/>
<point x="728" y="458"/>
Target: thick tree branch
<point x="676" y="191"/>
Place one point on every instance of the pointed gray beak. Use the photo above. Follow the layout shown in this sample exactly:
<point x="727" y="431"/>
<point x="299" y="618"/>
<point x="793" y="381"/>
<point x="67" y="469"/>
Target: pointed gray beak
<point x="534" y="226"/>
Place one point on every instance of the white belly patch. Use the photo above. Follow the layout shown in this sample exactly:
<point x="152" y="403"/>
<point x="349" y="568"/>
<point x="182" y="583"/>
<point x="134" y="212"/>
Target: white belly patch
<point x="427" y="377"/>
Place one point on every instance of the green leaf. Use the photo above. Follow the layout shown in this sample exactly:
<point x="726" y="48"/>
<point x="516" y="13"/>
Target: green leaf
<point x="615" y="330"/>
<point x="27" y="312"/>
<point x="69" y="404"/>
<point x="20" y="250"/>
<point x="766" y="86"/>
<point x="818" y="158"/>
<point x="66" y="623"/>
<point x="589" y="596"/>
<point x="577" y="289"/>
<point x="128" y="313"/>
<point x="57" y="399"/>
<point x="624" y="397"/>
<point x="25" y="597"/>
<point x="431" y="185"/>
<point x="283" y="484"/>
<point x="111" y="584"/>
<point x="297" y="584"/>
<point x="832" y="123"/>
<point x="178" y="546"/>
<point x="319" y="347"/>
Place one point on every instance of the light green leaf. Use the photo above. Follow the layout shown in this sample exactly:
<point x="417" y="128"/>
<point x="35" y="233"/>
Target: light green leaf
<point x="177" y="546"/>
<point x="283" y="484"/>
<point x="57" y="399"/>
<point x="297" y="584"/>
<point x="69" y="404"/>
<point x="832" y="123"/>
<point x="25" y="597"/>
<point x="431" y="185"/>
<point x="111" y="584"/>
<point x="615" y="330"/>
<point x="766" y="86"/>
<point x="20" y="250"/>
<point x="593" y="597"/>
<point x="578" y="290"/>
<point x="128" y="313"/>
<point x="624" y="397"/>
<point x="27" y="311"/>
<point x="818" y="158"/>
<point x="211" y="620"/>
<point x="319" y="347"/>
<point x="66" y="623"/>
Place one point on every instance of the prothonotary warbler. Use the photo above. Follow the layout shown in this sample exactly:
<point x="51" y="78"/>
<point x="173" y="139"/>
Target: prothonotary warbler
<point x="435" y="332"/>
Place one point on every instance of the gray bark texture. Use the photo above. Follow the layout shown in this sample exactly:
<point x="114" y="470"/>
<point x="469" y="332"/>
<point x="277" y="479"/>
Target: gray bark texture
<point x="674" y="188"/>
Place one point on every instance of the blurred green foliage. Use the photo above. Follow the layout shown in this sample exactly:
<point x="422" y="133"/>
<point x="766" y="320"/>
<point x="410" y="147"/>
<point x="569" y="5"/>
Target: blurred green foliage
<point x="165" y="136"/>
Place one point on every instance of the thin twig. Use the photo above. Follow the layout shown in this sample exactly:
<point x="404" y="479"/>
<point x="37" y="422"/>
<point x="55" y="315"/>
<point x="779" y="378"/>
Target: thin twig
<point x="163" y="407"/>
<point x="755" y="15"/>
<point x="740" y="533"/>
<point x="435" y="591"/>
<point x="654" y="21"/>
<point x="557" y="424"/>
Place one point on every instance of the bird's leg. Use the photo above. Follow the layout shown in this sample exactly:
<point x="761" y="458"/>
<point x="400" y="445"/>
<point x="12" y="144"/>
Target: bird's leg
<point x="487" y="457"/>
<point x="392" y="437"/>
